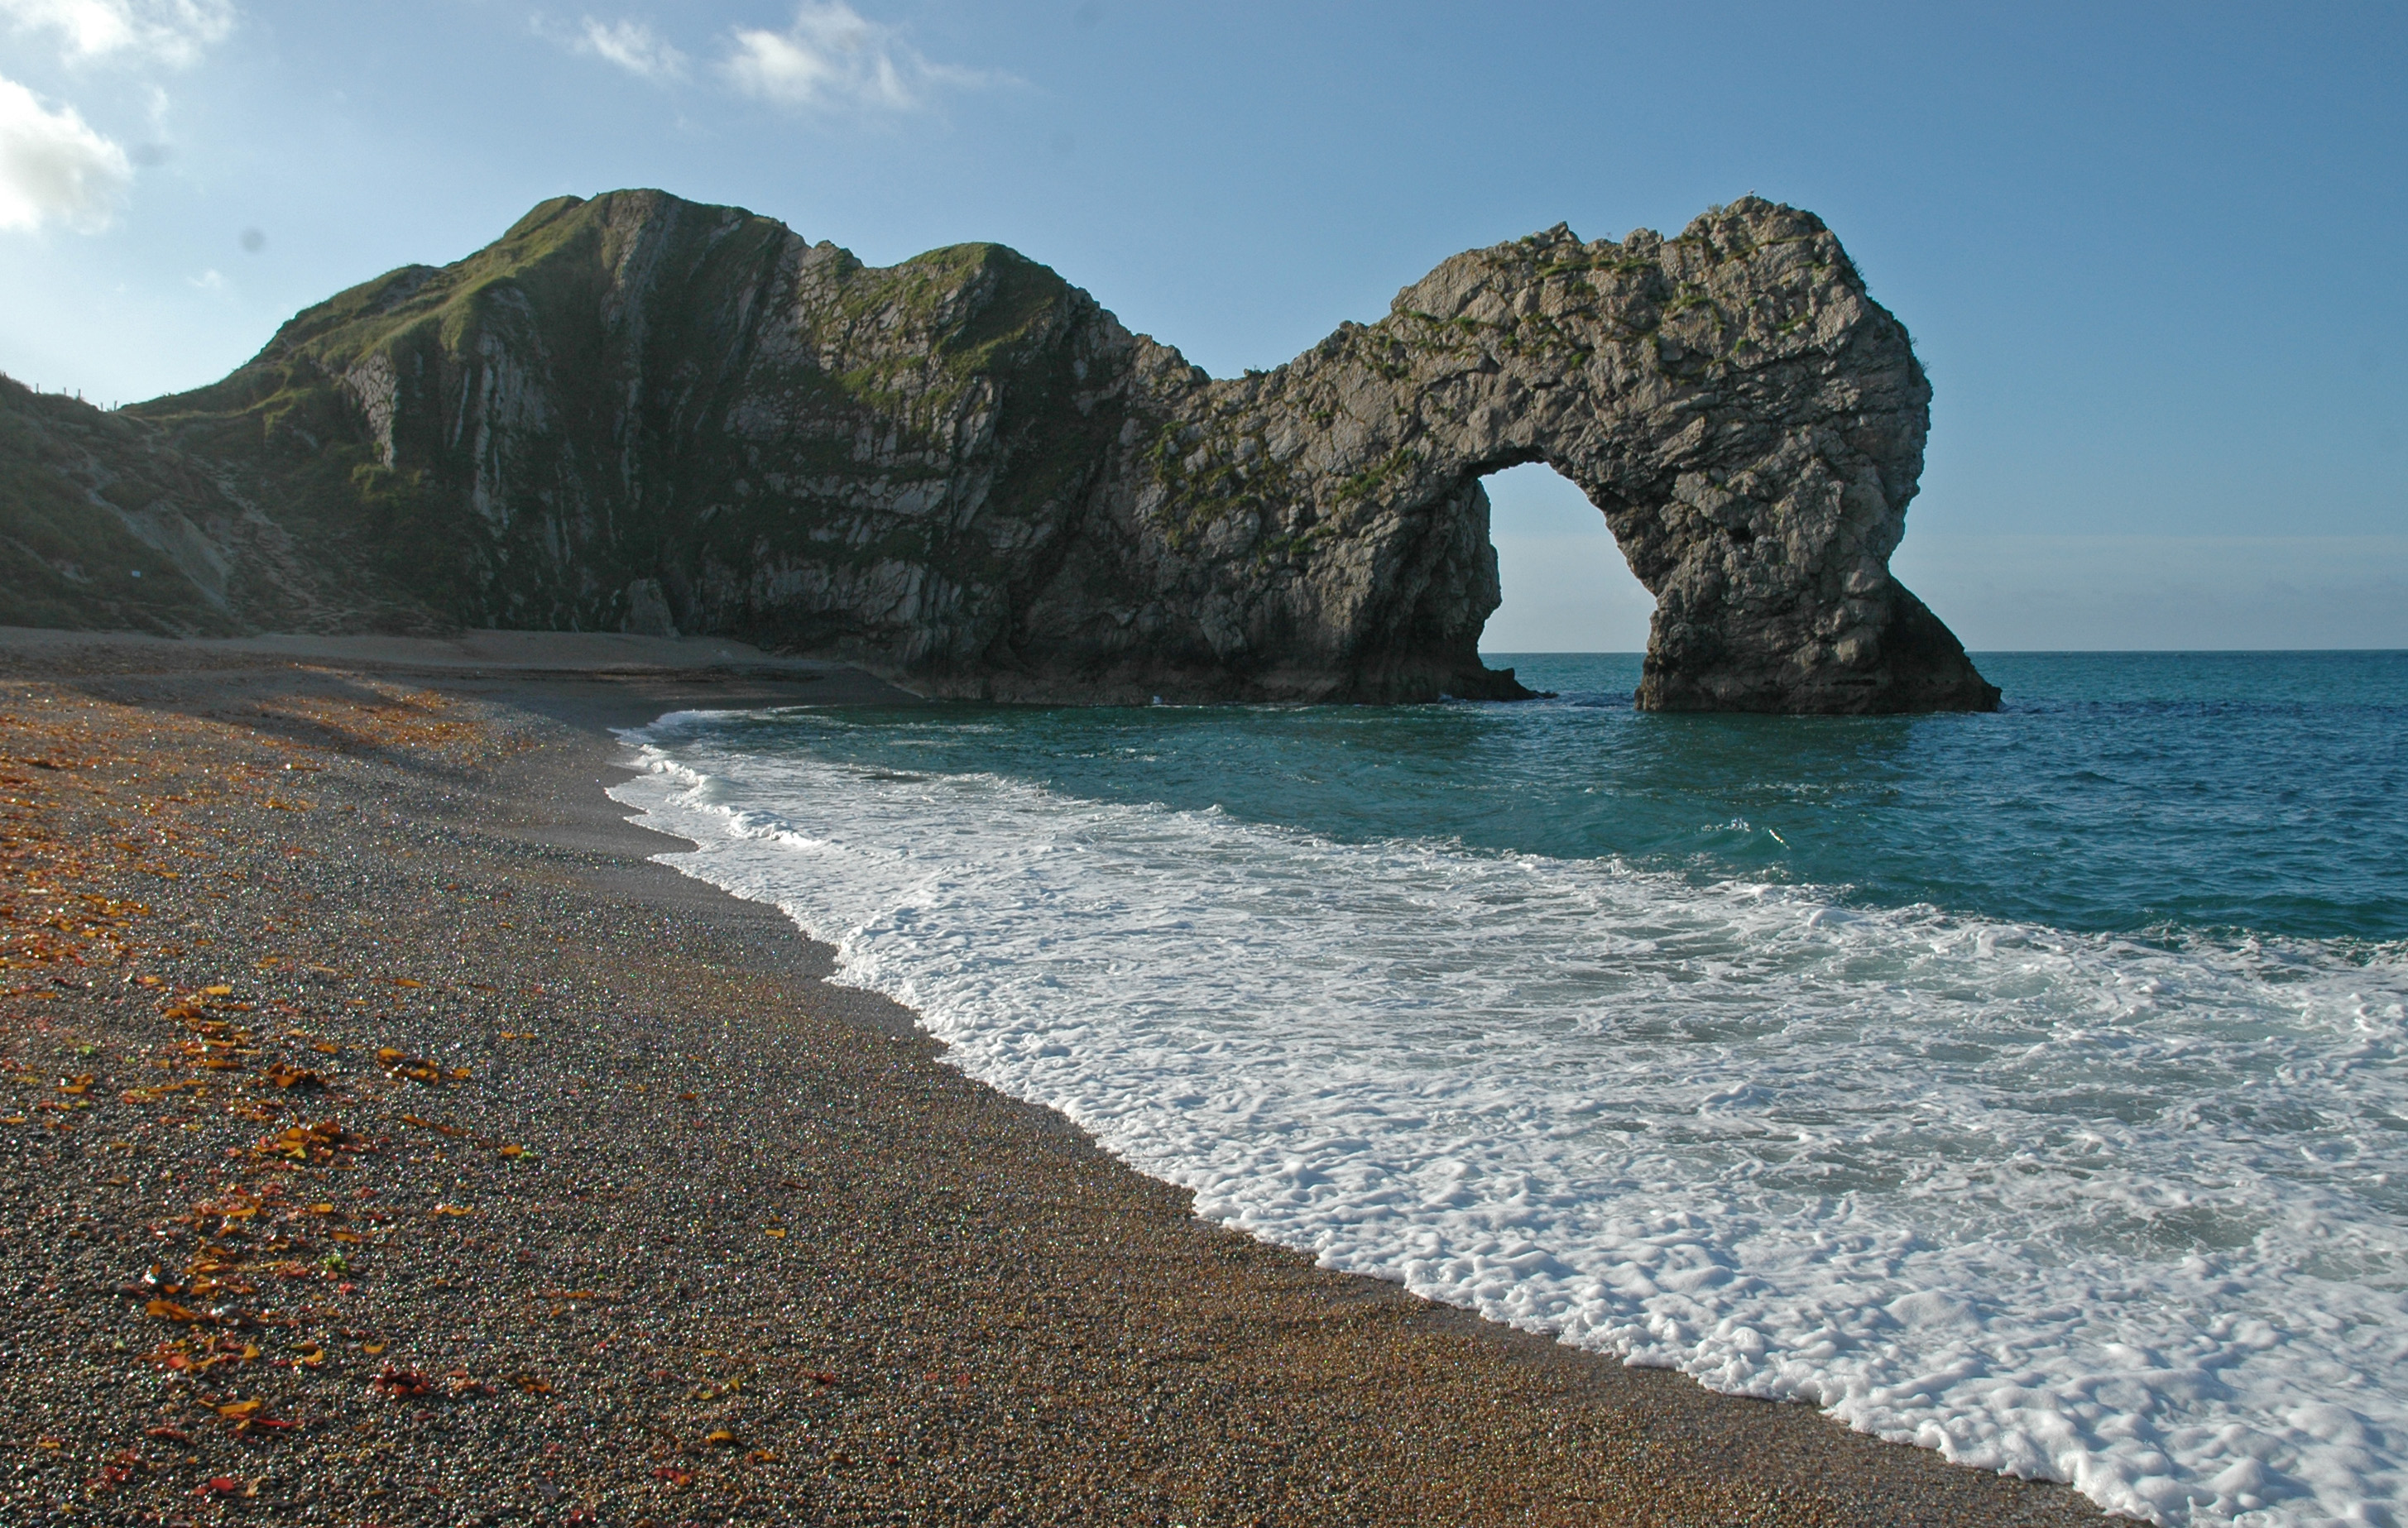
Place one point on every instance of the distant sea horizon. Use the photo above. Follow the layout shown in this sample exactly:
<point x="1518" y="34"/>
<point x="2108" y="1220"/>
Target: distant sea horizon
<point x="2032" y="1086"/>
<point x="1976" y="653"/>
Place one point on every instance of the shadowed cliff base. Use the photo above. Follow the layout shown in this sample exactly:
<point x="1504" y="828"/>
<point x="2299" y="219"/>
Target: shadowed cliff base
<point x="644" y="415"/>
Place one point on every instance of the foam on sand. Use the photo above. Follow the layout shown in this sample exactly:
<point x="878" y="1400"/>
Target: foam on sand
<point x="2121" y="1213"/>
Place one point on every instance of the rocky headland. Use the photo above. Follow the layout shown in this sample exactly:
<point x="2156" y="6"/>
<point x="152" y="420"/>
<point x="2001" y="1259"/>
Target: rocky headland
<point x="636" y="413"/>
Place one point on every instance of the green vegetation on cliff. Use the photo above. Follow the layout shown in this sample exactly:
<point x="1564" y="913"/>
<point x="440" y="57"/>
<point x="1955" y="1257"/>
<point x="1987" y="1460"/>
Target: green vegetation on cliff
<point x="81" y="527"/>
<point x="635" y="409"/>
<point x="517" y="437"/>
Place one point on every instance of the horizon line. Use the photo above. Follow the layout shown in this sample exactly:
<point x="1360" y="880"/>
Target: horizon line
<point x="1995" y="652"/>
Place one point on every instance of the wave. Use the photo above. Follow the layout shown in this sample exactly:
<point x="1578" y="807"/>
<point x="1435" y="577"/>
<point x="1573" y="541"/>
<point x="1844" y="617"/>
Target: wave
<point x="2121" y="1212"/>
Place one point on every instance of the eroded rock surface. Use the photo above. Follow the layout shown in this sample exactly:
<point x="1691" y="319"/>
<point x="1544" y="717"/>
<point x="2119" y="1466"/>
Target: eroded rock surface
<point x="639" y="413"/>
<point x="1750" y="423"/>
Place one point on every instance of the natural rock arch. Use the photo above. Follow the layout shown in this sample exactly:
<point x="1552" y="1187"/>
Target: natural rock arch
<point x="1748" y="420"/>
<point x="640" y="412"/>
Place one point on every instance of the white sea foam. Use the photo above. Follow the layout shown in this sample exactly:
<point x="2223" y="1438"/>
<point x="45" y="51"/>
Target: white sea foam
<point x="2067" y="1206"/>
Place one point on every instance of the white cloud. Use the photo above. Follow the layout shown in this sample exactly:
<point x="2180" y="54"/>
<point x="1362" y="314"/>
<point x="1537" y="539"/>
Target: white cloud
<point x="632" y="46"/>
<point x="53" y="168"/>
<point x="832" y="57"/>
<point x="174" y="33"/>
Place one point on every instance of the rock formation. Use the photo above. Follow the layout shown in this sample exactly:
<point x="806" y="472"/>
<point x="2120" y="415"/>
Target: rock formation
<point x="639" y="413"/>
<point x="103" y="525"/>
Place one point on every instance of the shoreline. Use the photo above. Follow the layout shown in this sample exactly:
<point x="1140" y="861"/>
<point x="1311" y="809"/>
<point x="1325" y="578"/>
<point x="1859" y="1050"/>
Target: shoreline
<point x="959" y="1308"/>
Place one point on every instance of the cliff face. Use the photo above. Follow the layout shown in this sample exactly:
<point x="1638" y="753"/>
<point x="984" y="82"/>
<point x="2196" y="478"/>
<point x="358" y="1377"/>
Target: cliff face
<point x="104" y="523"/>
<point x="1749" y="421"/>
<point x="638" y="413"/>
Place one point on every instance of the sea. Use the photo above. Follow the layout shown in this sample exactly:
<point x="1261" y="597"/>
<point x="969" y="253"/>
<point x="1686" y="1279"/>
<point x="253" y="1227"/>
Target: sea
<point x="2029" y="1087"/>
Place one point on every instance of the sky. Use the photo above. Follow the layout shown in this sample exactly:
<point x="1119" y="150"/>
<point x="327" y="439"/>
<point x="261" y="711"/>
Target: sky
<point x="2153" y="256"/>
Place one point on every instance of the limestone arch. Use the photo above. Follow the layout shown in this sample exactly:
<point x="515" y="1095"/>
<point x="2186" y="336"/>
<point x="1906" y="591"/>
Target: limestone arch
<point x="1749" y="422"/>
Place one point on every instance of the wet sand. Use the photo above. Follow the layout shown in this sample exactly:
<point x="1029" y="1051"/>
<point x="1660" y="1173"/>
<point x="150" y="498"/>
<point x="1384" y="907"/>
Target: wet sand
<point x="355" y="1061"/>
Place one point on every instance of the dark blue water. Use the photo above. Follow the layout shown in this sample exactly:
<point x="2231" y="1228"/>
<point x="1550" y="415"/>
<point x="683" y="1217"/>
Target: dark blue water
<point x="2165" y="794"/>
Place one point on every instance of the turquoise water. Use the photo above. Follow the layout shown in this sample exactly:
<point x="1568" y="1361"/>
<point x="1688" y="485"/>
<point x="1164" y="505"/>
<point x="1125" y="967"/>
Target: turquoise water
<point x="2029" y="1086"/>
<point x="2125" y="791"/>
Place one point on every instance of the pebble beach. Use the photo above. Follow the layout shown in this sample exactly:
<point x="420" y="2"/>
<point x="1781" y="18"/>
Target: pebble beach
<point x="388" y="1140"/>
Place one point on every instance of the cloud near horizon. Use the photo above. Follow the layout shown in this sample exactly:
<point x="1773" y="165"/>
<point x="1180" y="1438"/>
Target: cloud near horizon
<point x="171" y="33"/>
<point x="832" y="57"/>
<point x="54" y="168"/>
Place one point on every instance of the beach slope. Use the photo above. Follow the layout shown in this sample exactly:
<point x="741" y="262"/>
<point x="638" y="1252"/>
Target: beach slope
<point x="391" y="1141"/>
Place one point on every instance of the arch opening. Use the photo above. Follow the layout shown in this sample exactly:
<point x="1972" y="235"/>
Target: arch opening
<point x="1566" y="587"/>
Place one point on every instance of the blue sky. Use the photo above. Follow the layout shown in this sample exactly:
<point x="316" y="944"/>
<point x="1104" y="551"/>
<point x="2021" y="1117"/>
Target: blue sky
<point x="2152" y="255"/>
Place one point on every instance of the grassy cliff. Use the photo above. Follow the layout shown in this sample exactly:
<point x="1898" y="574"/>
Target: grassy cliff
<point x="627" y="388"/>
